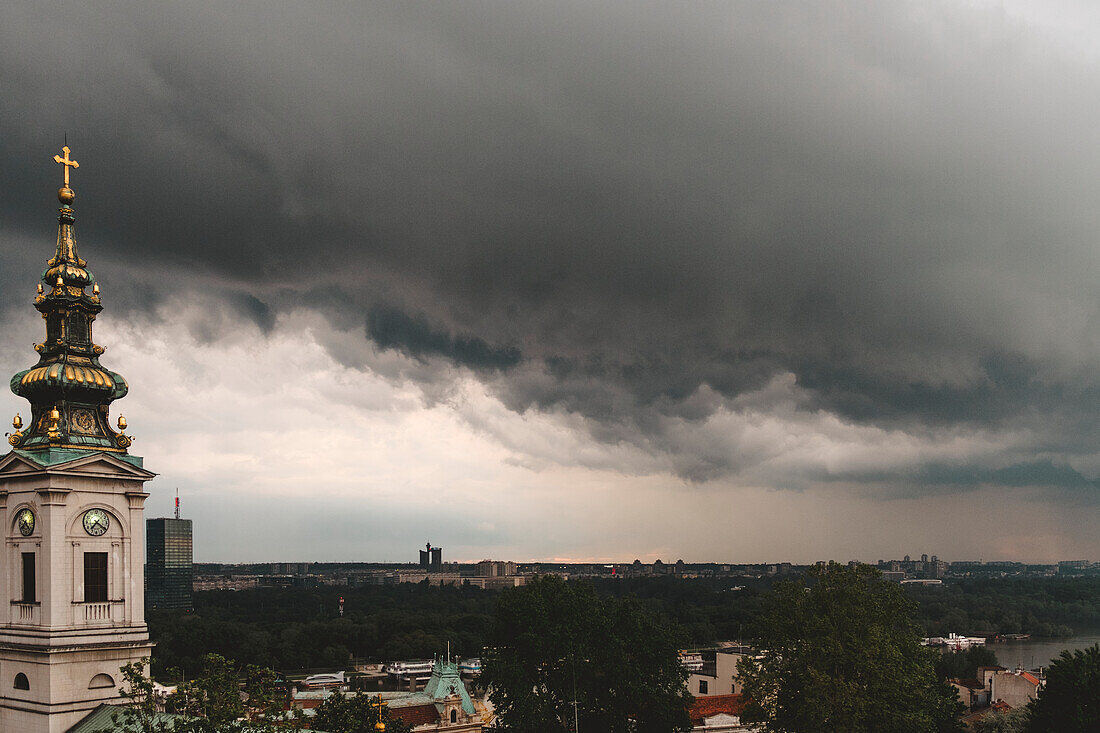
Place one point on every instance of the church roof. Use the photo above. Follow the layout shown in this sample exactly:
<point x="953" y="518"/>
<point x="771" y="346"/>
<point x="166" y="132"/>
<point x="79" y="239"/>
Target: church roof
<point x="706" y="707"/>
<point x="69" y="390"/>
<point x="103" y="718"/>
<point x="74" y="460"/>
<point x="416" y="714"/>
<point x="445" y="681"/>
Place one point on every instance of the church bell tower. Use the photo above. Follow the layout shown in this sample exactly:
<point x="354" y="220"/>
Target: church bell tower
<point x="71" y="496"/>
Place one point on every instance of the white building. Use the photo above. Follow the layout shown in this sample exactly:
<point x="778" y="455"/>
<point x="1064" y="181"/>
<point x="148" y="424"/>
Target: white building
<point x="71" y="499"/>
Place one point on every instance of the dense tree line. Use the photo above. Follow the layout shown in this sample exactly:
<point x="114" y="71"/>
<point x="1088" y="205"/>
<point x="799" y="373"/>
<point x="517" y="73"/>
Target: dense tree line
<point x="299" y="628"/>
<point x="837" y="643"/>
<point x="1050" y="607"/>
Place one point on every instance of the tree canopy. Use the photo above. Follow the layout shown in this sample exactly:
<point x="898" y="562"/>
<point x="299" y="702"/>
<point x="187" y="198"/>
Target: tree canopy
<point x="1008" y="721"/>
<point x="963" y="663"/>
<point x="560" y="653"/>
<point x="841" y="653"/>
<point x="218" y="700"/>
<point x="299" y="628"/>
<point x="1070" y="700"/>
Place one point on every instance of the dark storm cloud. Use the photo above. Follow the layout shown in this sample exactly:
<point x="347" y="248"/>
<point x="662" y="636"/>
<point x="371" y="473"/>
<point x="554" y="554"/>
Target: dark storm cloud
<point x="256" y="310"/>
<point x="1066" y="483"/>
<point x="893" y="202"/>
<point x="392" y="328"/>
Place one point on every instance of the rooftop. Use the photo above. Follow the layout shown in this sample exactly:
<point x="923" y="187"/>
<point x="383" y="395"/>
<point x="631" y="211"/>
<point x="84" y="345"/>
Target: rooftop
<point x="705" y="707"/>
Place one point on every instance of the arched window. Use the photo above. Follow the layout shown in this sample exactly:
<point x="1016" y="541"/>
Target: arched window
<point x="101" y="680"/>
<point x="21" y="682"/>
<point x="454" y="715"/>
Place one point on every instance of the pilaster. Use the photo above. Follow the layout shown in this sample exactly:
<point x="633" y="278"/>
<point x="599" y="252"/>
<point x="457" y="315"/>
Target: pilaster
<point x="53" y="566"/>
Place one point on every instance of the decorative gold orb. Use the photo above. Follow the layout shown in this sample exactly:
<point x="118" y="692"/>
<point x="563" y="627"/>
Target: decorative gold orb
<point x="65" y="195"/>
<point x="379" y="726"/>
<point x="17" y="422"/>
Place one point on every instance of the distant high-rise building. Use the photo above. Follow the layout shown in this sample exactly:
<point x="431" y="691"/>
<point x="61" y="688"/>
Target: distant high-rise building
<point x="168" y="574"/>
<point x="431" y="558"/>
<point x="495" y="568"/>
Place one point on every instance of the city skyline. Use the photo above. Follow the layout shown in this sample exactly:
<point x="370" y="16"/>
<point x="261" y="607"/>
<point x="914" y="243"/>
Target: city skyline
<point x="530" y="281"/>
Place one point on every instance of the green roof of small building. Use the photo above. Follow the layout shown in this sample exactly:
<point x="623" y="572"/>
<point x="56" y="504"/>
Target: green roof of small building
<point x="103" y="718"/>
<point x="445" y="681"/>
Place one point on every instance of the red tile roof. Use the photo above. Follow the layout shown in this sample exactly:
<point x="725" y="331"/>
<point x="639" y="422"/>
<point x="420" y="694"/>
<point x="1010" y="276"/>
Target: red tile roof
<point x="1030" y="678"/>
<point x="704" y="707"/>
<point x="998" y="707"/>
<point x="416" y="714"/>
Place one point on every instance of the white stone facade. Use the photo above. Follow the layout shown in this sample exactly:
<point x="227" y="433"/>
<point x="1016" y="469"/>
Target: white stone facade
<point x="68" y="649"/>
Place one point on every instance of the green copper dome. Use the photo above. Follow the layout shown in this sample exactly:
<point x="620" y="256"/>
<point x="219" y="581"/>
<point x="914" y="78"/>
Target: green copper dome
<point x="69" y="390"/>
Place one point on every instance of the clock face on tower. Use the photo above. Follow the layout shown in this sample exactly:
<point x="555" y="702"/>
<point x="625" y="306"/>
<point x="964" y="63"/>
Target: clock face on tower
<point x="96" y="522"/>
<point x="25" y="522"/>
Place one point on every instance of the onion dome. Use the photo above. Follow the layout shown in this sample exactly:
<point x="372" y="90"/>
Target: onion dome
<point x="69" y="390"/>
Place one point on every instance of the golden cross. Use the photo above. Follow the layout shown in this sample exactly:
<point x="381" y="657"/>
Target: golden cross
<point x="377" y="704"/>
<point x="66" y="162"/>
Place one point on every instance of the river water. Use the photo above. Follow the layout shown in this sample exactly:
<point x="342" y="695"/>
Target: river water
<point x="1032" y="653"/>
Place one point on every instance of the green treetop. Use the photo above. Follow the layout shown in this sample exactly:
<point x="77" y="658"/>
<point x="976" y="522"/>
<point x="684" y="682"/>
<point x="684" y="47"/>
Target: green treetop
<point x="560" y="654"/>
<point x="1070" y="700"/>
<point x="841" y="654"/>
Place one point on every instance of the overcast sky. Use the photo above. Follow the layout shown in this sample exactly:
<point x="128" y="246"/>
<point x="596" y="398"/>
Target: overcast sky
<point x="728" y="281"/>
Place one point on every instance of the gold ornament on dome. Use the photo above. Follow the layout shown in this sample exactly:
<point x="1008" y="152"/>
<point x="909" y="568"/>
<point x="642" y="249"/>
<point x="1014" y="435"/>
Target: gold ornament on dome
<point x="14" y="439"/>
<point x="53" y="421"/>
<point x="121" y="440"/>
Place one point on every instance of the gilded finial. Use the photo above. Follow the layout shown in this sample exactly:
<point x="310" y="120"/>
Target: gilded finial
<point x="122" y="440"/>
<point x="40" y="288"/>
<point x="65" y="194"/>
<point x="52" y="431"/>
<point x="17" y="422"/>
<point x="59" y="282"/>
<point x="95" y="289"/>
